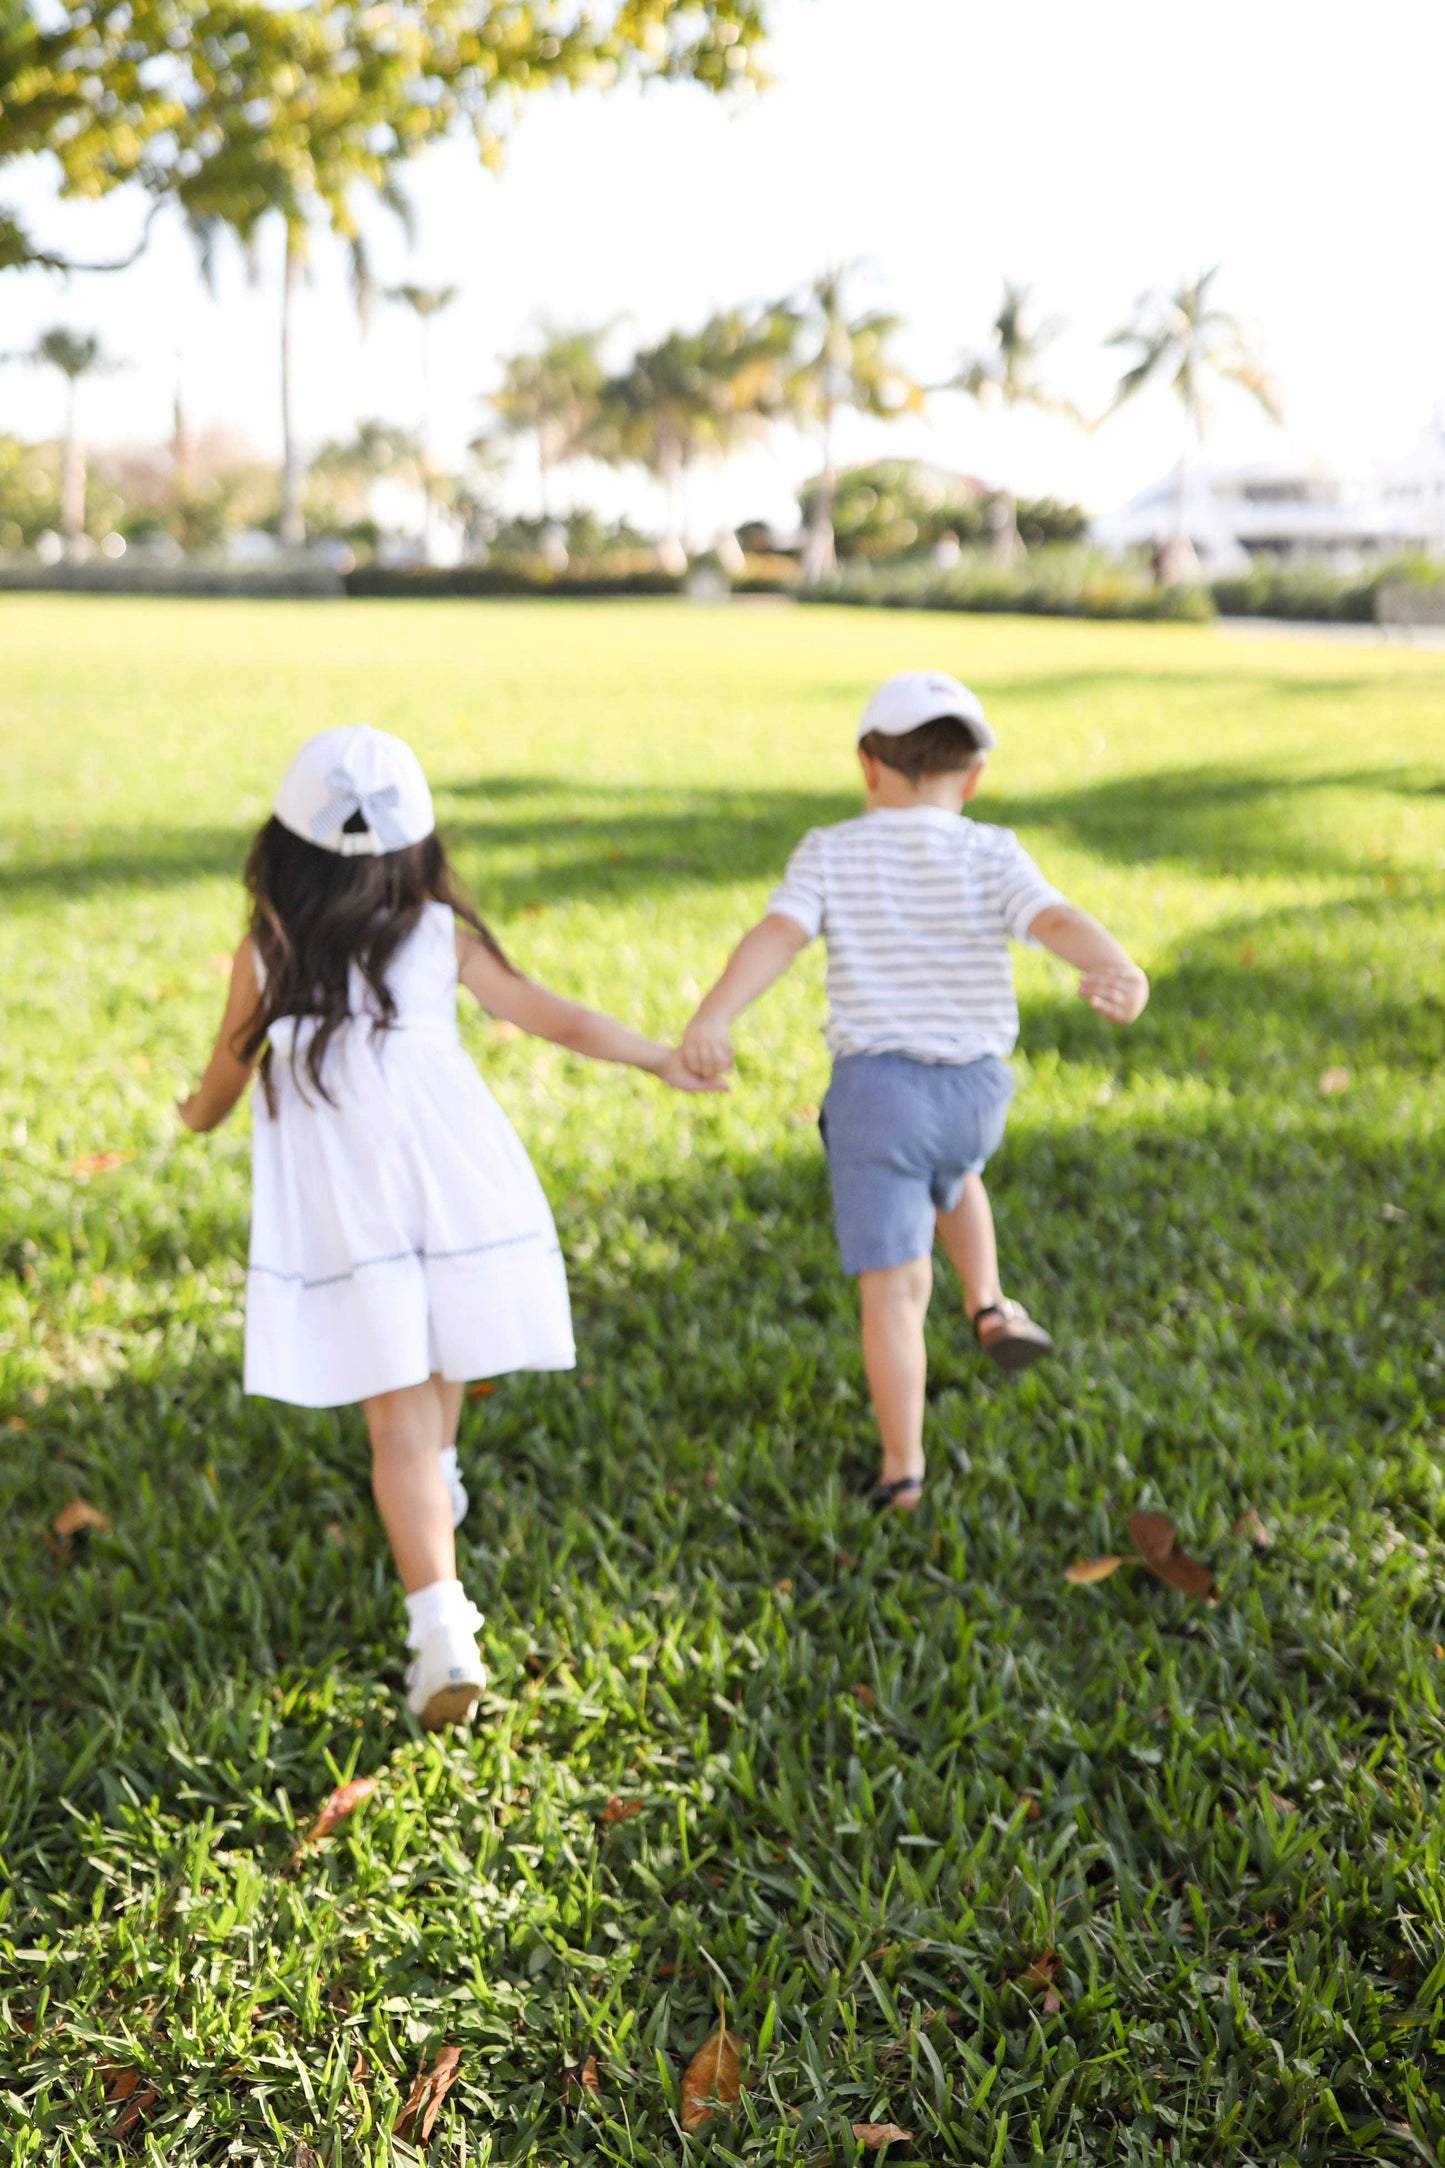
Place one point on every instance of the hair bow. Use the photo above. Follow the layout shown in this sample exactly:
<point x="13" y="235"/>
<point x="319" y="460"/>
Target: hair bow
<point x="376" y="807"/>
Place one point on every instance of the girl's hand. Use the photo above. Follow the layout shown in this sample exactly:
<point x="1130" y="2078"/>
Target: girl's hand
<point x="674" y="1070"/>
<point x="1118" y="993"/>
<point x="190" y="1112"/>
<point x="707" y="1048"/>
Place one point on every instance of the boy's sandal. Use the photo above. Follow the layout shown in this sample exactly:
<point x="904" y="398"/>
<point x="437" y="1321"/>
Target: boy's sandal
<point x="879" y="1494"/>
<point x="1016" y="1341"/>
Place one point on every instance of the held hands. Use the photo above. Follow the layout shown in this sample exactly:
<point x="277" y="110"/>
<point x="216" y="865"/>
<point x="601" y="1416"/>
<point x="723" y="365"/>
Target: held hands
<point x="707" y="1048"/>
<point x="1119" y="992"/>
<point x="674" y="1070"/>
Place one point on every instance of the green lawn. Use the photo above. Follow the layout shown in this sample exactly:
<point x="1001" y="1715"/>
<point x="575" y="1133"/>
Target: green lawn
<point x="892" y="1779"/>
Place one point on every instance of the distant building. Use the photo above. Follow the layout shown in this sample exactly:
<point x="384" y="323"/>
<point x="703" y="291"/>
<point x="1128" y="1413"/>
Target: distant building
<point x="1289" y="513"/>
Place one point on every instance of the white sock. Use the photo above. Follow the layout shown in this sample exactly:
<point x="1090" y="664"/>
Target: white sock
<point x="440" y="1603"/>
<point x="448" y="1458"/>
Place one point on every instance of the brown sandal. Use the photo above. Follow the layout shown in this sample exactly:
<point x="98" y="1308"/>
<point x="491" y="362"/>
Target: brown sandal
<point x="1017" y="1342"/>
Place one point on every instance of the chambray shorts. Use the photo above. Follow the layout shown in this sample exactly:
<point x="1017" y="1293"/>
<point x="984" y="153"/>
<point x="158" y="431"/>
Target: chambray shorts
<point x="900" y="1136"/>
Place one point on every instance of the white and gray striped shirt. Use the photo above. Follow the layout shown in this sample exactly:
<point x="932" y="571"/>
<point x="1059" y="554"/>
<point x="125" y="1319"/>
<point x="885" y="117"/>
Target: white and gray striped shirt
<point x="917" y="907"/>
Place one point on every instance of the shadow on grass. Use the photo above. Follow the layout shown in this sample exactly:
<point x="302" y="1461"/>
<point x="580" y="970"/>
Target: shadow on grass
<point x="563" y="842"/>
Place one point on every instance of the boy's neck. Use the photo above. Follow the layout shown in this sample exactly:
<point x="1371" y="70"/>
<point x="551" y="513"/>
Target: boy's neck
<point x="894" y="792"/>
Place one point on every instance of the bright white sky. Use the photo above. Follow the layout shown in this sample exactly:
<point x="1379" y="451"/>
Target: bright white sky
<point x="1093" y="151"/>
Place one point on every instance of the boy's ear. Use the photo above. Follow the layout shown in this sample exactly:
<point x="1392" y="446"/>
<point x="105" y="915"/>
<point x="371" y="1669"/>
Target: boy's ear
<point x="869" y="764"/>
<point x="974" y="778"/>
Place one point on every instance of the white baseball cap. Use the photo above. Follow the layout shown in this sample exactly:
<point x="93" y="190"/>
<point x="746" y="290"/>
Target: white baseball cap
<point x="924" y="696"/>
<point x="355" y="769"/>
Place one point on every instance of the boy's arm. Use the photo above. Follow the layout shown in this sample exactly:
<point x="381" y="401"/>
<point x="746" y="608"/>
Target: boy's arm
<point x="762" y="955"/>
<point x="518" y="1000"/>
<point x="226" y="1074"/>
<point x="1111" y="981"/>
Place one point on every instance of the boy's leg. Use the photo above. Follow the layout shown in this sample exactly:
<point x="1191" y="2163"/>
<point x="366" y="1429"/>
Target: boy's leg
<point x="408" y="1431"/>
<point x="967" y="1234"/>
<point x="894" y="1303"/>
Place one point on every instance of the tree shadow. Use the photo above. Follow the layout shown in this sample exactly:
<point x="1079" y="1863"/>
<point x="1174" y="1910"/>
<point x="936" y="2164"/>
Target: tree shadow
<point x="557" y="841"/>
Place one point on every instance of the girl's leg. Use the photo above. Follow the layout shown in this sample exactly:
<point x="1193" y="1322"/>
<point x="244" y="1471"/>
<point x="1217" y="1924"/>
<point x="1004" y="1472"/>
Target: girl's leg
<point x="450" y="1393"/>
<point x="967" y="1234"/>
<point x="894" y="1304"/>
<point x="408" y="1431"/>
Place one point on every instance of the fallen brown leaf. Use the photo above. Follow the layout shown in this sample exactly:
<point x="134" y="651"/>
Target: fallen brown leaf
<point x="782" y="1588"/>
<point x="481" y="1388"/>
<point x="711" y="2078"/>
<point x="709" y="1479"/>
<point x="1085" y="1571"/>
<point x="1029" y="1801"/>
<point x="1282" y="1805"/>
<point x="1334" y="1080"/>
<point x="1153" y="1536"/>
<point x="1249" y="1524"/>
<point x="618" y="1810"/>
<point x="1041" y="1971"/>
<point x="359" y="2072"/>
<point x="429" y="2090"/>
<point x="580" y="2078"/>
<point x="77" y="1517"/>
<point x="343" y="1801"/>
<point x="865" y="1696"/>
<point x="305" y="2156"/>
<point x="872" y="2135"/>
<point x="1053" y="2001"/>
<point x="127" y="2086"/>
<point x="99" y="1162"/>
<point x="16" y="1422"/>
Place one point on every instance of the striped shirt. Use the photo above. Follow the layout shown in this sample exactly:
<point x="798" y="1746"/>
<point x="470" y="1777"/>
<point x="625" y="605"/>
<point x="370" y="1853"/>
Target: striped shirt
<point x="917" y="907"/>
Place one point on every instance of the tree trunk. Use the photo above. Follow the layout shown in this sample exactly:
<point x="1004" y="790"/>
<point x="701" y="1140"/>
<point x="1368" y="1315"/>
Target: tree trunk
<point x="428" y="529"/>
<point x="72" y="479"/>
<point x="1178" y="561"/>
<point x="820" y="554"/>
<point x="672" y="551"/>
<point x="293" y="521"/>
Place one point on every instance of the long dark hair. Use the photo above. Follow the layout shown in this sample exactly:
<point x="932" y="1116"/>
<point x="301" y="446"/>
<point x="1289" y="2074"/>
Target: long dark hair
<point x="314" y="914"/>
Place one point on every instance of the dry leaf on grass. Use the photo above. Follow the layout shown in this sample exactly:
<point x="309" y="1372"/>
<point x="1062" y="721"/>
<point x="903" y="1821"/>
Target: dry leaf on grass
<point x="1282" y="1805"/>
<point x="1249" y="1524"/>
<point x="865" y="1696"/>
<point x="76" y="1517"/>
<point x="127" y="2086"/>
<point x="1333" y="1081"/>
<point x="343" y="1801"/>
<point x="710" y="2079"/>
<point x="481" y="1388"/>
<point x="16" y="1422"/>
<point x="709" y="1479"/>
<point x="99" y="1162"/>
<point x="429" y="2090"/>
<point x="1029" y="1801"/>
<point x="580" y="2078"/>
<point x="1153" y="1537"/>
<point x="872" y="2135"/>
<point x="1041" y="1974"/>
<point x="618" y="1810"/>
<point x="1085" y="1571"/>
<point x="305" y="2156"/>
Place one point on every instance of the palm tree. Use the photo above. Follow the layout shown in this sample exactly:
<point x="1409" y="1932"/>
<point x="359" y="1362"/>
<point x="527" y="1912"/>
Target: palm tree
<point x="425" y="302"/>
<point x="76" y="354"/>
<point x="552" y="392"/>
<point x="1181" y="339"/>
<point x="847" y="365"/>
<point x="1008" y="373"/>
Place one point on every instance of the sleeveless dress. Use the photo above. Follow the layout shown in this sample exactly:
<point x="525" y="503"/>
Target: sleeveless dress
<point x="400" y="1230"/>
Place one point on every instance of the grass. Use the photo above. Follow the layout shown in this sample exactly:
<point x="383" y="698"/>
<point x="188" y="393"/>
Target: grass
<point x="1042" y="1874"/>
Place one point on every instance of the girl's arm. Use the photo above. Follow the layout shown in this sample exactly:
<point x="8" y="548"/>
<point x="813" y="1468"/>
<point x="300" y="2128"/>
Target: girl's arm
<point x="226" y="1074"/>
<point x="519" y="1000"/>
<point x="763" y="955"/>
<point x="1111" y="981"/>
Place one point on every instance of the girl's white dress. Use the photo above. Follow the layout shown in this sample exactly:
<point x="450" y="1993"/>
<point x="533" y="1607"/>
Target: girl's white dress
<point x="400" y="1230"/>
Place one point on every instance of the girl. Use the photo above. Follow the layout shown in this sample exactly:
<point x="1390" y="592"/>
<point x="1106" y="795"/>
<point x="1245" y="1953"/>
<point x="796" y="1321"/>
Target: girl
<point x="400" y="1241"/>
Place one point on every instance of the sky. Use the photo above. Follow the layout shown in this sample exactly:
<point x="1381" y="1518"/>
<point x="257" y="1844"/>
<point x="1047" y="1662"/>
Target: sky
<point x="942" y="145"/>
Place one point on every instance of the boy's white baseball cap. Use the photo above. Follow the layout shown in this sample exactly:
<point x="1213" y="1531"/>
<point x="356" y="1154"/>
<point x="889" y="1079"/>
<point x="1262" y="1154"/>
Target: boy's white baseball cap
<point x="355" y="769"/>
<point x="924" y="696"/>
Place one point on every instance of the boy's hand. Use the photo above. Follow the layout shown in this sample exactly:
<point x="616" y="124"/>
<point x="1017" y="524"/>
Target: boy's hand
<point x="1118" y="992"/>
<point x="674" y="1070"/>
<point x="707" y="1048"/>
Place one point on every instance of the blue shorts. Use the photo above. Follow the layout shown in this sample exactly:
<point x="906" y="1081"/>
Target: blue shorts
<point x="900" y="1137"/>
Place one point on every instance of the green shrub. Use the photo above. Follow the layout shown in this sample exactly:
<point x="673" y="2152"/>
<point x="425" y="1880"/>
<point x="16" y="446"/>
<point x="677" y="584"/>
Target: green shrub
<point x="1317" y="592"/>
<point x="1052" y="582"/>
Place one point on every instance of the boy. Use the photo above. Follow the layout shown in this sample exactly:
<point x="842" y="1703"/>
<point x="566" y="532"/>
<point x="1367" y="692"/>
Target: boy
<point x="917" y="906"/>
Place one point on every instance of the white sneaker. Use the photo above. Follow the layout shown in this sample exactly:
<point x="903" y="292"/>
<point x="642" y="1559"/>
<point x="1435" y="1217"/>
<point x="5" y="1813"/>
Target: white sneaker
<point x="460" y="1500"/>
<point x="444" y="1680"/>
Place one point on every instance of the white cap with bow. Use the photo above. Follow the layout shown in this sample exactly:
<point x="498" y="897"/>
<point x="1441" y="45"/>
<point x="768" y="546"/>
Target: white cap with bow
<point x="362" y="776"/>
